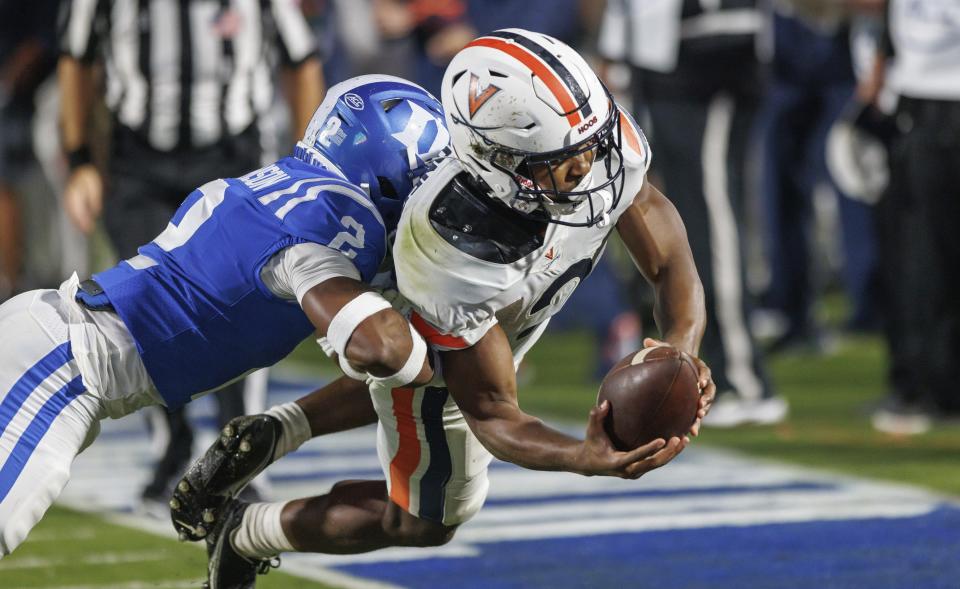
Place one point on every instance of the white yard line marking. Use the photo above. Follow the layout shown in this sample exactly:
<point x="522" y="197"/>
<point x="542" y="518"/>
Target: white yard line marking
<point x="150" y="584"/>
<point x="81" y="533"/>
<point x="95" y="558"/>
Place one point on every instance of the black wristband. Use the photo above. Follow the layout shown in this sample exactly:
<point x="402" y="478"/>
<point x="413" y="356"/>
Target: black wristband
<point x="79" y="157"/>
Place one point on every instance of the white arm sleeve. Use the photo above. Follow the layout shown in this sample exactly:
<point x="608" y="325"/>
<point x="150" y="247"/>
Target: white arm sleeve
<point x="293" y="271"/>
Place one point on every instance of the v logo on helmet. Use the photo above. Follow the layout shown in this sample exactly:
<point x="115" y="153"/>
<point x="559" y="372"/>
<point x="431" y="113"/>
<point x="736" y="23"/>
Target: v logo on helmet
<point x="477" y="98"/>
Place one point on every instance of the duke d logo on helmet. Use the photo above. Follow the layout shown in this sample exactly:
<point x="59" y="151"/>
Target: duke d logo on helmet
<point x="476" y="98"/>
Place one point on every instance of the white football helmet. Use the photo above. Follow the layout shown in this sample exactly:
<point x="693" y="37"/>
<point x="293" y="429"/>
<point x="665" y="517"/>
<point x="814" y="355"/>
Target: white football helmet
<point x="515" y="100"/>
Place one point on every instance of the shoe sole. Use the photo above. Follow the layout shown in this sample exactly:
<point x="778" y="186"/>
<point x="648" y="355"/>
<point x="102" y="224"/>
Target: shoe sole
<point x="230" y="463"/>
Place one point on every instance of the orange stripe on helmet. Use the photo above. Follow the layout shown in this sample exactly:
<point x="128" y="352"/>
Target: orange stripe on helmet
<point x="560" y="92"/>
<point x="433" y="335"/>
<point x="408" y="452"/>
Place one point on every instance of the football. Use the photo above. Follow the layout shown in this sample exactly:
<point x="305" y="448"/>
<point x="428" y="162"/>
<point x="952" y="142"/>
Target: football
<point x="653" y="394"/>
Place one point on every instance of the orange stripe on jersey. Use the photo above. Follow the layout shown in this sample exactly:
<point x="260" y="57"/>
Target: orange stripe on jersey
<point x="433" y="335"/>
<point x="630" y="133"/>
<point x="408" y="452"/>
<point x="560" y="92"/>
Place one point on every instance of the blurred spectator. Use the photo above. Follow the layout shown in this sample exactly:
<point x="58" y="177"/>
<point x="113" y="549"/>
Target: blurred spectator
<point x="812" y="83"/>
<point x="186" y="83"/>
<point x="557" y="18"/>
<point x="322" y="16"/>
<point x="697" y="74"/>
<point x="920" y="213"/>
<point x="347" y="38"/>
<point x="438" y="29"/>
<point x="27" y="58"/>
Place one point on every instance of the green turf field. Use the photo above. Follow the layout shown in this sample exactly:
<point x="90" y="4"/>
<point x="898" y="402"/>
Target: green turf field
<point x="828" y="428"/>
<point x="71" y="550"/>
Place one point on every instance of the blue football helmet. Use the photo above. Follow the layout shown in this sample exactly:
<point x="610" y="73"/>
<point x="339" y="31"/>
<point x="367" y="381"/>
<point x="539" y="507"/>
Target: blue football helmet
<point x="379" y="132"/>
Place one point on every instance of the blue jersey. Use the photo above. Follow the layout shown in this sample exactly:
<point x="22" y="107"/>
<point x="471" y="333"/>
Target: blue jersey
<point x="193" y="299"/>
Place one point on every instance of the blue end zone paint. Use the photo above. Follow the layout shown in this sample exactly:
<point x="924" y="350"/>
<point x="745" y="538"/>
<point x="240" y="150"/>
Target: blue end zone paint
<point x="876" y="554"/>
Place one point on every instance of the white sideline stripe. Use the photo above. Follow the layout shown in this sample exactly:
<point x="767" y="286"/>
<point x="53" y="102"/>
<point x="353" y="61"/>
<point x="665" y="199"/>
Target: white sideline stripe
<point x="403" y="554"/>
<point x="818" y="502"/>
<point x="692" y="521"/>
<point x="498" y="525"/>
<point x="95" y="558"/>
<point x="189" y="584"/>
<point x="519" y="483"/>
<point x="60" y="536"/>
<point x="587" y="527"/>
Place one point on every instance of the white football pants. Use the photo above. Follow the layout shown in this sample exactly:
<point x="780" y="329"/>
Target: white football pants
<point x="46" y="415"/>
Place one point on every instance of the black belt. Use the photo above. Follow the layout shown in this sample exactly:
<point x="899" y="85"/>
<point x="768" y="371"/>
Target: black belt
<point x="92" y="296"/>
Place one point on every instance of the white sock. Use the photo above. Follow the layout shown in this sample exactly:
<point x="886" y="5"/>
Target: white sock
<point x="260" y="534"/>
<point x="294" y="430"/>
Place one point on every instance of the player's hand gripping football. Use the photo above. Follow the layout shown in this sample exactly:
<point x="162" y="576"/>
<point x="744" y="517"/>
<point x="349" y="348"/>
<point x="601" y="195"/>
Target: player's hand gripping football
<point x="599" y="457"/>
<point x="708" y="390"/>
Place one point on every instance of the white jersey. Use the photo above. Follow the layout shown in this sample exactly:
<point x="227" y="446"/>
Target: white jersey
<point x="456" y="297"/>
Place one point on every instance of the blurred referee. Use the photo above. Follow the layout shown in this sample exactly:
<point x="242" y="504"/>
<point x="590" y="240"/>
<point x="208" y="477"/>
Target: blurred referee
<point x="187" y="82"/>
<point x="695" y="70"/>
<point x="920" y="213"/>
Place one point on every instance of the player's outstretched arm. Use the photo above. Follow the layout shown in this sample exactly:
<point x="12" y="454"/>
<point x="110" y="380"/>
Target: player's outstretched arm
<point x="381" y="344"/>
<point x="483" y="383"/>
<point x="655" y="236"/>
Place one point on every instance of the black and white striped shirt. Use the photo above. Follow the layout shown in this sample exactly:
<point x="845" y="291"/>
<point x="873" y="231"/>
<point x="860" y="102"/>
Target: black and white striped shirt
<point x="652" y="33"/>
<point x="186" y="73"/>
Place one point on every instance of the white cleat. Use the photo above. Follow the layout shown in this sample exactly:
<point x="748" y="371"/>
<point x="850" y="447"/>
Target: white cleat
<point x="731" y="410"/>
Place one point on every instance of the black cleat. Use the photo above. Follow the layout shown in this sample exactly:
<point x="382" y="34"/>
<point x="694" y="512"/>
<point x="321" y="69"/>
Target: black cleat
<point x="226" y="569"/>
<point x="244" y="448"/>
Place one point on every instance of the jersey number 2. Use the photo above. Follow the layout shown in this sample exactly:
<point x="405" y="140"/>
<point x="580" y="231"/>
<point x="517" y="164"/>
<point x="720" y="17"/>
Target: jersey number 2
<point x="345" y="240"/>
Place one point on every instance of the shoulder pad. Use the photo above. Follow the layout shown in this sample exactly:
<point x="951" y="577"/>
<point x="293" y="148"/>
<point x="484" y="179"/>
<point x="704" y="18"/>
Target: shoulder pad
<point x="636" y="150"/>
<point x="480" y="226"/>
